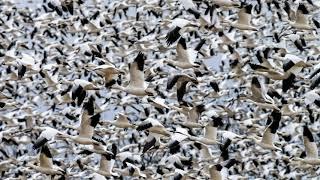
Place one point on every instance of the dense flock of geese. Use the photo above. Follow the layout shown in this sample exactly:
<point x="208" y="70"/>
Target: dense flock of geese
<point x="159" y="89"/>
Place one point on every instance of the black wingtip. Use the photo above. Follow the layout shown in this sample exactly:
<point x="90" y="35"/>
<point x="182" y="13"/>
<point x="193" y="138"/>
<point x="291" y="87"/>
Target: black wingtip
<point x="200" y="44"/>
<point x="214" y="86"/>
<point x="307" y="133"/>
<point x="173" y="36"/>
<point x="195" y="13"/>
<point x="144" y="126"/>
<point x="217" y="121"/>
<point x="303" y="9"/>
<point x="95" y="119"/>
<point x="182" y="42"/>
<point x="140" y="60"/>
<point x="256" y="82"/>
<point x="218" y="167"/>
<point x="46" y="151"/>
<point x="230" y="163"/>
<point x="248" y="8"/>
<point x="39" y="143"/>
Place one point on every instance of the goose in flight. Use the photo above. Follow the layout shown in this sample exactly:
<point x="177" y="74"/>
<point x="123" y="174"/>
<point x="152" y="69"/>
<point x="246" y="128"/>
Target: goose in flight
<point x="181" y="80"/>
<point x="204" y="19"/>
<point x="205" y="152"/>
<point x="302" y="21"/>
<point x="185" y="57"/>
<point x="210" y="133"/>
<point x="192" y="113"/>
<point x="218" y="172"/>
<point x="106" y="166"/>
<point x="131" y="170"/>
<point x="86" y="128"/>
<point x="259" y="96"/>
<point x="80" y="88"/>
<point x="310" y="147"/>
<point x="154" y="126"/>
<point x="269" y="134"/>
<point x="122" y="121"/>
<point x="46" y="165"/>
<point x="244" y="20"/>
<point x="108" y="71"/>
<point x="179" y="26"/>
<point x="137" y="85"/>
<point x="46" y="135"/>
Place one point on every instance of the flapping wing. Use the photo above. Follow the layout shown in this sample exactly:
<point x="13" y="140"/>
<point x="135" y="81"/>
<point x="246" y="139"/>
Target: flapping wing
<point x="45" y="157"/>
<point x="136" y="71"/>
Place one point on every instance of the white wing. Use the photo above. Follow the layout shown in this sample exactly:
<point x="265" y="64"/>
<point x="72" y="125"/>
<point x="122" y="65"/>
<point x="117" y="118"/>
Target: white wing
<point x="85" y="129"/>
<point x="267" y="137"/>
<point x="136" y="76"/>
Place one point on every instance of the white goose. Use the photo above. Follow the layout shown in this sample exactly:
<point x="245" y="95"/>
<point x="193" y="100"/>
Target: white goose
<point x="185" y="57"/>
<point x="244" y="21"/>
<point x="181" y="80"/>
<point x="301" y="21"/>
<point x="131" y="170"/>
<point x="210" y="133"/>
<point x="106" y="166"/>
<point x="86" y="129"/>
<point x="46" y="135"/>
<point x="179" y="26"/>
<point x="137" y="85"/>
<point x="154" y="126"/>
<point x="269" y="134"/>
<point x="311" y="149"/>
<point x="121" y="122"/>
<point x="46" y="165"/>
<point x="108" y="71"/>
<point x="219" y="172"/>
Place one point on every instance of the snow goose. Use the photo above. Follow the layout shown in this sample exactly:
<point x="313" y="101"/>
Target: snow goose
<point x="244" y="21"/>
<point x="301" y="21"/>
<point x="177" y="138"/>
<point x="86" y="129"/>
<point x="46" y="165"/>
<point x="204" y="19"/>
<point x="106" y="166"/>
<point x="311" y="149"/>
<point x="46" y="135"/>
<point x="152" y="142"/>
<point x="122" y="121"/>
<point x="137" y="85"/>
<point x="159" y="104"/>
<point x="210" y="133"/>
<point x="192" y="113"/>
<point x="154" y="126"/>
<point x="218" y="172"/>
<point x="181" y="80"/>
<point x="108" y="71"/>
<point x="269" y="134"/>
<point x="205" y="152"/>
<point x="178" y="27"/>
<point x="185" y="56"/>
<point x="258" y="96"/>
<point x="131" y="170"/>
<point x="80" y="88"/>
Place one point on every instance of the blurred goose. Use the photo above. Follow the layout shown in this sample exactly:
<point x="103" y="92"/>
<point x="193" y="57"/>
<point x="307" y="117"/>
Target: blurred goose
<point x="311" y="149"/>
<point x="185" y="57"/>
<point x="244" y="21"/>
<point x="106" y="166"/>
<point x="137" y="85"/>
<point x="46" y="165"/>
<point x="122" y="121"/>
<point x="269" y="134"/>
<point x="181" y="81"/>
